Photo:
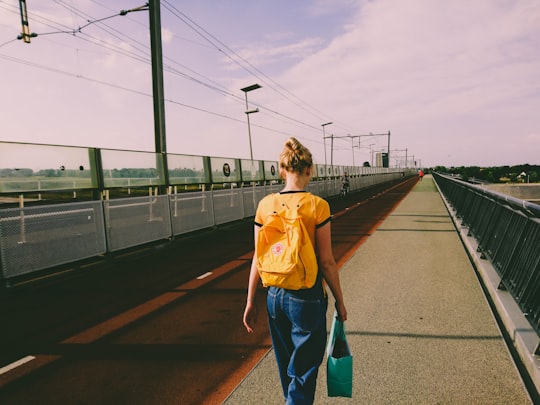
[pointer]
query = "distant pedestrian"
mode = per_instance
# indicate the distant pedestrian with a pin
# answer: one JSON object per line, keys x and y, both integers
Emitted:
{"x": 345, "y": 184}
{"x": 297, "y": 318}
{"x": 421, "y": 174}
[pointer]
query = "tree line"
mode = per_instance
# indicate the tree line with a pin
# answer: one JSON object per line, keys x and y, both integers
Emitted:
{"x": 114, "y": 173}
{"x": 497, "y": 174}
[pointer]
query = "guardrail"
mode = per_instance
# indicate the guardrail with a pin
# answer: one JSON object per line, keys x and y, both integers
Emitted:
{"x": 37, "y": 169}
{"x": 507, "y": 231}
{"x": 186, "y": 193}
{"x": 35, "y": 238}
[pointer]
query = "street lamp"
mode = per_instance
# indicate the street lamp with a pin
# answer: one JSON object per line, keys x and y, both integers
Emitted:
{"x": 246, "y": 90}
{"x": 324, "y": 140}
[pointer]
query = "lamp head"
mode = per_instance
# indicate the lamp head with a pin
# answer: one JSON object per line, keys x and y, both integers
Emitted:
{"x": 252, "y": 87}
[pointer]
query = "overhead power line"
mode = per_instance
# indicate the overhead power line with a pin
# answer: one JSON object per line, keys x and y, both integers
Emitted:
{"x": 142, "y": 52}
{"x": 235, "y": 57}
{"x": 105, "y": 83}
{"x": 91, "y": 22}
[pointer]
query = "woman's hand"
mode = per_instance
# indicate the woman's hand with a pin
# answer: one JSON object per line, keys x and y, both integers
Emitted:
{"x": 341, "y": 312}
{"x": 251, "y": 314}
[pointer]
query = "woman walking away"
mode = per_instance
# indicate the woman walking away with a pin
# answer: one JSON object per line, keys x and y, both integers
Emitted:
{"x": 297, "y": 317}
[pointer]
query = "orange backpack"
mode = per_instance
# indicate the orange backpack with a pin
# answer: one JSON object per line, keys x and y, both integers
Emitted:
{"x": 285, "y": 254}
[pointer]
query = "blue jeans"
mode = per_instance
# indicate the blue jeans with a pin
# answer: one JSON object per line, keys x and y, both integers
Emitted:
{"x": 297, "y": 321}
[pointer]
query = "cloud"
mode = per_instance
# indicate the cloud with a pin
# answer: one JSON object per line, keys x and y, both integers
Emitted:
{"x": 430, "y": 63}
{"x": 456, "y": 82}
{"x": 325, "y": 7}
{"x": 281, "y": 56}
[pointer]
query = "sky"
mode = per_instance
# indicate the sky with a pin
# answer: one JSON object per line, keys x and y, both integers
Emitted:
{"x": 451, "y": 83}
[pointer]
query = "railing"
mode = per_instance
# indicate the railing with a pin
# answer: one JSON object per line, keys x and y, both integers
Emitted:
{"x": 35, "y": 237}
{"x": 507, "y": 231}
{"x": 36, "y": 168}
{"x": 40, "y": 237}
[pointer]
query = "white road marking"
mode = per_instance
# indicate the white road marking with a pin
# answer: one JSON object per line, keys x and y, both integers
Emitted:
{"x": 204, "y": 275}
{"x": 16, "y": 364}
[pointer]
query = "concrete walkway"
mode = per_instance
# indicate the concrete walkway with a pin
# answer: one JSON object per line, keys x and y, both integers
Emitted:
{"x": 419, "y": 327}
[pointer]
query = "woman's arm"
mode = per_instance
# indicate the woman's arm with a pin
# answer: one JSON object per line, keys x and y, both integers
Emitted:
{"x": 328, "y": 266}
{"x": 251, "y": 312}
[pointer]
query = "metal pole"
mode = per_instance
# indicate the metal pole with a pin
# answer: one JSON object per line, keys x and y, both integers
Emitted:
{"x": 249, "y": 128}
{"x": 157, "y": 85}
{"x": 388, "y": 149}
{"x": 352, "y": 149}
{"x": 324, "y": 141}
{"x": 246, "y": 90}
{"x": 25, "y": 34}
{"x": 332, "y": 152}
{"x": 406, "y": 161}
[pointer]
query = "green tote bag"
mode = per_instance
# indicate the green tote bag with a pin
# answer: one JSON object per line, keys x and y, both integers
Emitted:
{"x": 339, "y": 365}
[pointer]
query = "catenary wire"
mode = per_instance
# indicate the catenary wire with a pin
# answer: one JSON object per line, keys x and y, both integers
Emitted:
{"x": 99, "y": 23}
{"x": 171, "y": 69}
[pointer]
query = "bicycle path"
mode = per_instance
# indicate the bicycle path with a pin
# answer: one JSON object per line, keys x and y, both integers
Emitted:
{"x": 419, "y": 327}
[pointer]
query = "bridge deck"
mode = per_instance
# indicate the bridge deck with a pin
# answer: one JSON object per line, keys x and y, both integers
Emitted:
{"x": 420, "y": 328}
